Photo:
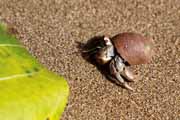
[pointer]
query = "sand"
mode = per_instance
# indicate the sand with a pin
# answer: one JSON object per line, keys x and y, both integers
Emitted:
{"x": 51, "y": 29}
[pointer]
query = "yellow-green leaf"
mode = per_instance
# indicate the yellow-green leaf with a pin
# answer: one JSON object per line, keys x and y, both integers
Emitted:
{"x": 28, "y": 91}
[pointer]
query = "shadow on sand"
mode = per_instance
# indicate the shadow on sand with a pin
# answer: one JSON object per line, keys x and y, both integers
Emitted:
{"x": 88, "y": 51}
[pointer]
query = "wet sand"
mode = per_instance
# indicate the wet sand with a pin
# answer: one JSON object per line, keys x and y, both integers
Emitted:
{"x": 50, "y": 30}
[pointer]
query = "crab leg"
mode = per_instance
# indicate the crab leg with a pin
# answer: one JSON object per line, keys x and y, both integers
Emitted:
{"x": 116, "y": 67}
{"x": 121, "y": 82}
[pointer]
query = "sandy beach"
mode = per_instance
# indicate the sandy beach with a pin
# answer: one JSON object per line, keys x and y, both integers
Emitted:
{"x": 51, "y": 29}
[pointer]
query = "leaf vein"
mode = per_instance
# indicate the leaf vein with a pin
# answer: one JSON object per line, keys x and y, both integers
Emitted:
{"x": 10, "y": 45}
{"x": 16, "y": 76}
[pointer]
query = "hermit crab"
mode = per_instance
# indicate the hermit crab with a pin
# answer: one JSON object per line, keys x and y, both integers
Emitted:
{"x": 120, "y": 52}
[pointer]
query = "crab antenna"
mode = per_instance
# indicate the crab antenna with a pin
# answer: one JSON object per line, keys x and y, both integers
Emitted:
{"x": 91, "y": 50}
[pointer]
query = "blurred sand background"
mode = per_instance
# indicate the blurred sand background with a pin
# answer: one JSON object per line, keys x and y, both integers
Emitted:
{"x": 50, "y": 30}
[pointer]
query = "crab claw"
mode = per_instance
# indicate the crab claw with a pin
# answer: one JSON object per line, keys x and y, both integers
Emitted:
{"x": 128, "y": 74}
{"x": 116, "y": 70}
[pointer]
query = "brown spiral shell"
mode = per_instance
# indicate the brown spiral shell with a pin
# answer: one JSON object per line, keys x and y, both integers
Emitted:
{"x": 133, "y": 48}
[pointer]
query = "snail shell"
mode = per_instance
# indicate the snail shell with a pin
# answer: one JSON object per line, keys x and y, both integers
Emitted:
{"x": 133, "y": 48}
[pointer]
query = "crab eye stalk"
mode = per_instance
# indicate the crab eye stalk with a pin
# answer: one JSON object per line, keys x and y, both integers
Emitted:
{"x": 107, "y": 41}
{"x": 102, "y": 56}
{"x": 106, "y": 53}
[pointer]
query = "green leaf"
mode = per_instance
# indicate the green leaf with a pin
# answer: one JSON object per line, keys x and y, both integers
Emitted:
{"x": 28, "y": 91}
